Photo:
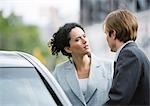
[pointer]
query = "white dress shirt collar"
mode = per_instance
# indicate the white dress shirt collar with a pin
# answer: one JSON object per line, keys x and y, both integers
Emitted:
{"x": 118, "y": 51}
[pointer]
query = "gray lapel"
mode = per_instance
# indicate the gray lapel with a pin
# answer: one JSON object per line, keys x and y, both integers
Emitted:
{"x": 93, "y": 78}
{"x": 73, "y": 82}
{"x": 91, "y": 88}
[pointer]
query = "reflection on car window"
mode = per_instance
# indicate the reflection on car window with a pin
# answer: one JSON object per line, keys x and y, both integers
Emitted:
{"x": 23, "y": 87}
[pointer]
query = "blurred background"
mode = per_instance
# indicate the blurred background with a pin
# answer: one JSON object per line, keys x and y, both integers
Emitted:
{"x": 27, "y": 25}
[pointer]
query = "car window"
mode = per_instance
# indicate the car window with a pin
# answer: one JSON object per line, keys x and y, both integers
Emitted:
{"x": 23, "y": 87}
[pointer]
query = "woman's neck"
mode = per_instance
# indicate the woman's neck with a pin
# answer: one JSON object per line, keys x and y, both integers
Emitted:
{"x": 81, "y": 61}
{"x": 82, "y": 65}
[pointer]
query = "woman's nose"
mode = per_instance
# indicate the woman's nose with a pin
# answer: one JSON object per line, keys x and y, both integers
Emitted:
{"x": 84, "y": 40}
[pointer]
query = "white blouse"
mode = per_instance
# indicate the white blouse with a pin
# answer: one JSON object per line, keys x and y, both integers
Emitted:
{"x": 83, "y": 85}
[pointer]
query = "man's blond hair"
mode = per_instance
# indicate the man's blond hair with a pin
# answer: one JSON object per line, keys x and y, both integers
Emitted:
{"x": 124, "y": 23}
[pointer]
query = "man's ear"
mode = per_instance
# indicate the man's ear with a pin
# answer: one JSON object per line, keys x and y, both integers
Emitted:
{"x": 113, "y": 34}
{"x": 67, "y": 49}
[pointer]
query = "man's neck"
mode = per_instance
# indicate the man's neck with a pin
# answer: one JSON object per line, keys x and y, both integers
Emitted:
{"x": 118, "y": 44}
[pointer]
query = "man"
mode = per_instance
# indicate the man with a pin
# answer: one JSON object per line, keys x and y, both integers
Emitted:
{"x": 131, "y": 80}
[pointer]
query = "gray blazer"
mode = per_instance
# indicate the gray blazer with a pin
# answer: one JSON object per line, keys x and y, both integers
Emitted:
{"x": 99, "y": 82}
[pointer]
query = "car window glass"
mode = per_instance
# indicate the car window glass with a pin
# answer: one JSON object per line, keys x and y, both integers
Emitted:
{"x": 23, "y": 87}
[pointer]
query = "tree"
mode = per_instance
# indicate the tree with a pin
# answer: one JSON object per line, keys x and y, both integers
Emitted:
{"x": 15, "y": 35}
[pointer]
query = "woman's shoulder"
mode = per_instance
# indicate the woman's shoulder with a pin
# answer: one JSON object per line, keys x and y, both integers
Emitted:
{"x": 106, "y": 64}
{"x": 63, "y": 64}
{"x": 102, "y": 60}
{"x": 60, "y": 68}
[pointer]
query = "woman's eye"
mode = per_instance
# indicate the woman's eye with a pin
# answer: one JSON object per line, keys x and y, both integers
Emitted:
{"x": 77, "y": 40}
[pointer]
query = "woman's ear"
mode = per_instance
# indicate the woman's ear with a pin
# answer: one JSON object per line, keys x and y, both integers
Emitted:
{"x": 67, "y": 49}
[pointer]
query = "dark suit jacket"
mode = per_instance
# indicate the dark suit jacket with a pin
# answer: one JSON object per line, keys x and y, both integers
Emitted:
{"x": 131, "y": 81}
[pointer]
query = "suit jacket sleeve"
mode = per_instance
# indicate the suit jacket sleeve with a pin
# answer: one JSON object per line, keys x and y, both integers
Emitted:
{"x": 126, "y": 77}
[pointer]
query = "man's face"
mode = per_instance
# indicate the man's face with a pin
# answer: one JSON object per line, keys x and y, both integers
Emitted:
{"x": 111, "y": 41}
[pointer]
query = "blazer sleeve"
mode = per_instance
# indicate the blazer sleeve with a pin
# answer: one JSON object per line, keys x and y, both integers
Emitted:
{"x": 126, "y": 77}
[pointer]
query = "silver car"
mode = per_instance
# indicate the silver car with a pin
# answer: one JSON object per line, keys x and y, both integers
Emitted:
{"x": 24, "y": 81}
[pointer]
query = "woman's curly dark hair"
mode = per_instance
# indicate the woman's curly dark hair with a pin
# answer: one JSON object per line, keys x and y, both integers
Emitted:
{"x": 61, "y": 38}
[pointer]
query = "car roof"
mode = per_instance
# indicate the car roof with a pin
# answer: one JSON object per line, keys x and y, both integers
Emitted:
{"x": 13, "y": 59}
{"x": 22, "y": 59}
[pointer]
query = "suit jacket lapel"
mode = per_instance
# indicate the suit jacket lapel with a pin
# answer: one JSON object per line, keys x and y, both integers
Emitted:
{"x": 73, "y": 82}
{"x": 114, "y": 66}
{"x": 91, "y": 88}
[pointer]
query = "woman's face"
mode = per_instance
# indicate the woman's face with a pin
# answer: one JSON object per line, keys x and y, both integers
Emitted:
{"x": 79, "y": 44}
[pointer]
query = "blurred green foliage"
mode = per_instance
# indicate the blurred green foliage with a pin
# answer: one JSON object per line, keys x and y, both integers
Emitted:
{"x": 16, "y": 35}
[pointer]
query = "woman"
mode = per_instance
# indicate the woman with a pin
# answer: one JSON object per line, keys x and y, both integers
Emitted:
{"x": 85, "y": 79}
